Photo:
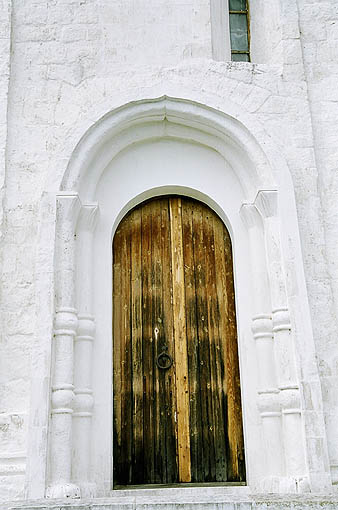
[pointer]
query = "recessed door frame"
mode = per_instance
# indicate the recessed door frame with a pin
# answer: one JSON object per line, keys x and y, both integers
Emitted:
{"x": 251, "y": 189}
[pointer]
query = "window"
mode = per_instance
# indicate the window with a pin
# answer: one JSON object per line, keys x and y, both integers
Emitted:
{"x": 239, "y": 30}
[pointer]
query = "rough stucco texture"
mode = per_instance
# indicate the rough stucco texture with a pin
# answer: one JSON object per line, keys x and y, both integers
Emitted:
{"x": 72, "y": 61}
{"x": 319, "y": 29}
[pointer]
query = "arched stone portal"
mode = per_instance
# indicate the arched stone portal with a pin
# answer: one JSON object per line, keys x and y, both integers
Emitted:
{"x": 142, "y": 150}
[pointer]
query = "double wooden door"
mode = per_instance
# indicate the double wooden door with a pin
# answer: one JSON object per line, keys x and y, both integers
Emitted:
{"x": 177, "y": 403}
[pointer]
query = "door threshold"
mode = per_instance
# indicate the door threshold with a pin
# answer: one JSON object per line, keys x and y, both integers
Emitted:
{"x": 182, "y": 493}
{"x": 178, "y": 485}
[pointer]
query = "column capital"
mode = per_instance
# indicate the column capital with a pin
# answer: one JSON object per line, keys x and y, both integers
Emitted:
{"x": 250, "y": 215}
{"x": 267, "y": 203}
{"x": 88, "y": 217}
{"x": 68, "y": 207}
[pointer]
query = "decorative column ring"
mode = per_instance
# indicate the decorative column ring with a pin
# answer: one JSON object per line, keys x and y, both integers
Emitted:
{"x": 83, "y": 405}
{"x": 65, "y": 326}
{"x": 268, "y": 392}
{"x": 290, "y": 400}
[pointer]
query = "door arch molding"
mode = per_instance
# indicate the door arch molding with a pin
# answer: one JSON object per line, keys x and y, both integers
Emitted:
{"x": 251, "y": 188}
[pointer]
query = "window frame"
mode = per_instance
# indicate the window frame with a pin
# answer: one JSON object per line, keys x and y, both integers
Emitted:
{"x": 245, "y": 13}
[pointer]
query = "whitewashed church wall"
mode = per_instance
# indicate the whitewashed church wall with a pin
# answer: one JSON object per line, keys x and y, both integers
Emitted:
{"x": 5, "y": 39}
{"x": 319, "y": 28}
{"x": 72, "y": 62}
{"x": 14, "y": 366}
{"x": 266, "y": 39}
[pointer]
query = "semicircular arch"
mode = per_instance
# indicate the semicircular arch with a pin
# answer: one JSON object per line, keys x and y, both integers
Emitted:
{"x": 167, "y": 117}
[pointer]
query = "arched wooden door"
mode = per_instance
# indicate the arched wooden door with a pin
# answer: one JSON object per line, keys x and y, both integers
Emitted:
{"x": 177, "y": 403}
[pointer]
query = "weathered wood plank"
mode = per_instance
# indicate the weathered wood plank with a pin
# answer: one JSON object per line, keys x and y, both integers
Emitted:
{"x": 148, "y": 345}
{"x": 236, "y": 464}
{"x": 196, "y": 447}
{"x": 181, "y": 356}
{"x": 117, "y": 321}
{"x": 221, "y": 343}
{"x": 207, "y": 473}
{"x": 218, "y": 426}
{"x": 126, "y": 369}
{"x": 210, "y": 321}
{"x": 159, "y": 341}
{"x": 168, "y": 337}
{"x": 136, "y": 340}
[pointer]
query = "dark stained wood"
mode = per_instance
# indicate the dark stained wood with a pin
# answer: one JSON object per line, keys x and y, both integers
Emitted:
{"x": 173, "y": 292}
{"x": 236, "y": 470}
{"x": 136, "y": 345}
{"x": 203, "y": 344}
{"x": 159, "y": 344}
{"x": 148, "y": 345}
{"x": 117, "y": 326}
{"x": 123, "y": 329}
{"x": 217, "y": 421}
{"x": 229, "y": 364}
{"x": 196, "y": 445}
{"x": 168, "y": 376}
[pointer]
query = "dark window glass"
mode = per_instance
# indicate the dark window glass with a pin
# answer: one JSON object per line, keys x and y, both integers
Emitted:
{"x": 240, "y": 57}
{"x": 237, "y": 5}
{"x": 239, "y": 30}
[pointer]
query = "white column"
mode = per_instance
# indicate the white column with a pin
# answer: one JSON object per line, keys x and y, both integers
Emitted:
{"x": 83, "y": 405}
{"x": 290, "y": 399}
{"x": 220, "y": 30}
{"x": 60, "y": 460}
{"x": 268, "y": 393}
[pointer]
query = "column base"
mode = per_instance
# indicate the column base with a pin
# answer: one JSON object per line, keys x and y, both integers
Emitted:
{"x": 283, "y": 484}
{"x": 88, "y": 490}
{"x": 63, "y": 490}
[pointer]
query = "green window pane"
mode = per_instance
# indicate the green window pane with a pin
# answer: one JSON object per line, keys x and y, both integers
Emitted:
{"x": 237, "y": 5}
{"x": 239, "y": 32}
{"x": 240, "y": 57}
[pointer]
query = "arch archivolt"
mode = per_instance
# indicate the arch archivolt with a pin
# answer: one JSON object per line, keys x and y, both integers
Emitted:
{"x": 143, "y": 150}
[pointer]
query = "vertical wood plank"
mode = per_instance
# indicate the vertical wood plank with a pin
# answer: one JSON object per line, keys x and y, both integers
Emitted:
{"x": 222, "y": 299}
{"x": 169, "y": 387}
{"x": 217, "y": 427}
{"x": 196, "y": 446}
{"x": 159, "y": 340}
{"x": 117, "y": 380}
{"x": 210, "y": 338}
{"x": 236, "y": 469}
{"x": 126, "y": 348}
{"x": 203, "y": 345}
{"x": 136, "y": 328}
{"x": 181, "y": 356}
{"x": 148, "y": 345}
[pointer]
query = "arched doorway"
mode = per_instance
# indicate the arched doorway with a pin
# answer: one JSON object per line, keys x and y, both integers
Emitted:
{"x": 177, "y": 402}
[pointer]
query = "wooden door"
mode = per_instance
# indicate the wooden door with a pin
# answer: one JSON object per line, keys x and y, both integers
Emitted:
{"x": 177, "y": 402}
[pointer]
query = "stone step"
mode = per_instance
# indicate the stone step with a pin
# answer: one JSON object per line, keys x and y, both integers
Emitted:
{"x": 202, "y": 498}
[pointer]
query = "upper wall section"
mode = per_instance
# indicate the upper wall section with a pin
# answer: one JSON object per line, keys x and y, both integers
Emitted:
{"x": 119, "y": 32}
{"x": 266, "y": 29}
{"x": 155, "y": 31}
{"x": 92, "y": 34}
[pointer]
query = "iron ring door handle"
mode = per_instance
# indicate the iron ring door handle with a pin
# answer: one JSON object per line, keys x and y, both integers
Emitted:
{"x": 164, "y": 361}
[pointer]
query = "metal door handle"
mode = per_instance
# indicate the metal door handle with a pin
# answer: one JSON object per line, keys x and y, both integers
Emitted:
{"x": 164, "y": 360}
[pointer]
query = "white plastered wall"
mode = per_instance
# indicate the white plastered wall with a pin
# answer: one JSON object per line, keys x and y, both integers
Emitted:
{"x": 70, "y": 64}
